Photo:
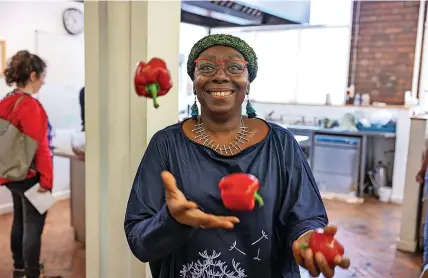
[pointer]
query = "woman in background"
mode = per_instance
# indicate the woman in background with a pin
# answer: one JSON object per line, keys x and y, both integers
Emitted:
{"x": 27, "y": 72}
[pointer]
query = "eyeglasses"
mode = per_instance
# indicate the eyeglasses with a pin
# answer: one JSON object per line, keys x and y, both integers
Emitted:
{"x": 208, "y": 67}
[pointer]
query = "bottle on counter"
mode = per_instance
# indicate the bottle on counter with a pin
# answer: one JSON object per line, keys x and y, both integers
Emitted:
{"x": 328, "y": 99}
{"x": 357, "y": 99}
{"x": 350, "y": 92}
{"x": 365, "y": 99}
{"x": 347, "y": 97}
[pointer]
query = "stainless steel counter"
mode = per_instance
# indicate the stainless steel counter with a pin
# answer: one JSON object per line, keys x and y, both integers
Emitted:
{"x": 311, "y": 131}
{"x": 338, "y": 131}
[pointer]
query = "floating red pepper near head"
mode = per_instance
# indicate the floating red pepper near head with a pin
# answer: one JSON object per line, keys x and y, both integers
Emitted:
{"x": 239, "y": 192}
{"x": 326, "y": 244}
{"x": 152, "y": 80}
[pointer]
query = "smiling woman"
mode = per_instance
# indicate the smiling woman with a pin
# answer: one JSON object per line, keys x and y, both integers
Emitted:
{"x": 215, "y": 66}
{"x": 184, "y": 229}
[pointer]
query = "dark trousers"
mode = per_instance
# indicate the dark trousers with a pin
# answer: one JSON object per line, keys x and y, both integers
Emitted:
{"x": 27, "y": 229}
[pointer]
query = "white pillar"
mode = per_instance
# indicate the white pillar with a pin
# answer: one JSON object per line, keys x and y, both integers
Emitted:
{"x": 118, "y": 123}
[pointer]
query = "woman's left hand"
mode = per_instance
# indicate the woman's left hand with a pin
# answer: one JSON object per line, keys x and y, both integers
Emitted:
{"x": 317, "y": 263}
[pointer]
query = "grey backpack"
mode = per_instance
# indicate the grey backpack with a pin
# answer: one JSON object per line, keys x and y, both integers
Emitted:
{"x": 17, "y": 150}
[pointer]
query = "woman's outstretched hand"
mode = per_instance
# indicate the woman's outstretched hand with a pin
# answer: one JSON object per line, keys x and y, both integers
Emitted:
{"x": 317, "y": 263}
{"x": 187, "y": 212}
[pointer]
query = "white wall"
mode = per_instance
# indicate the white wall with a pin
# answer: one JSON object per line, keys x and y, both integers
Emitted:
{"x": 39, "y": 29}
{"x": 189, "y": 35}
{"x": 64, "y": 55}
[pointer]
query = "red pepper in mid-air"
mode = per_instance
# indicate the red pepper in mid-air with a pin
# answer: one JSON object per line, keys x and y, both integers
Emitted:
{"x": 152, "y": 80}
{"x": 326, "y": 244}
{"x": 239, "y": 192}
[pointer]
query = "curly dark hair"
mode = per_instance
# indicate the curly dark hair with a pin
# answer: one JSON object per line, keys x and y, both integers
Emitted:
{"x": 20, "y": 67}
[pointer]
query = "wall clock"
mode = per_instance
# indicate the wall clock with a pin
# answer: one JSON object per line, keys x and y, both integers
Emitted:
{"x": 73, "y": 21}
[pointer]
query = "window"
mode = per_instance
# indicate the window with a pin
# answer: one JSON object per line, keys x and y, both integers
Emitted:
{"x": 189, "y": 35}
{"x": 331, "y": 12}
{"x": 323, "y": 65}
{"x": 278, "y": 63}
{"x": 302, "y": 64}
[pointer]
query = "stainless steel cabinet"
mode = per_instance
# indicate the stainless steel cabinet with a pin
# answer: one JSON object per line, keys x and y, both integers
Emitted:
{"x": 335, "y": 163}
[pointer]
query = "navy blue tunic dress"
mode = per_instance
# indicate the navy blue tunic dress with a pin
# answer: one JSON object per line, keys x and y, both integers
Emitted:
{"x": 260, "y": 245}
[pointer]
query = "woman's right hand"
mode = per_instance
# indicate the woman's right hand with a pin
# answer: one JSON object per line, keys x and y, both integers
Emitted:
{"x": 187, "y": 212}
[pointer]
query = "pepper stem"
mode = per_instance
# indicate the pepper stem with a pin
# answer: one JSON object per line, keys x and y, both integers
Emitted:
{"x": 304, "y": 246}
{"x": 259, "y": 199}
{"x": 153, "y": 89}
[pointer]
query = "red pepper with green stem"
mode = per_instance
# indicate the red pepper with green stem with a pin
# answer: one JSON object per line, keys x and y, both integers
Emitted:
{"x": 152, "y": 80}
{"x": 239, "y": 192}
{"x": 326, "y": 244}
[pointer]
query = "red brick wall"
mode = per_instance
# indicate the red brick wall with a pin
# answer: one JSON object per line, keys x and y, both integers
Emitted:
{"x": 385, "y": 49}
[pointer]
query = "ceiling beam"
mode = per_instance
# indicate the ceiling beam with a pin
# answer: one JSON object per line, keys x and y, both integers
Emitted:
{"x": 195, "y": 19}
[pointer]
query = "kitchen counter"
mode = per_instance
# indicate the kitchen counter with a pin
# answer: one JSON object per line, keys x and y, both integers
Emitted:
{"x": 401, "y": 107}
{"x": 300, "y": 138}
{"x": 291, "y": 113}
{"x": 337, "y": 131}
{"x": 311, "y": 131}
{"x": 77, "y": 186}
{"x": 77, "y": 194}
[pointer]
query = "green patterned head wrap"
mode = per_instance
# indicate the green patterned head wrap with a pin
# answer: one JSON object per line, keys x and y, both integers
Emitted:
{"x": 225, "y": 40}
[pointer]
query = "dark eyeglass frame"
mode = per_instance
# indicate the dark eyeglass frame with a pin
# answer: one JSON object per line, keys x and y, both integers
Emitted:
{"x": 221, "y": 65}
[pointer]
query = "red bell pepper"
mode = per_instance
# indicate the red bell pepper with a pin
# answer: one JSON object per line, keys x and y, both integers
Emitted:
{"x": 239, "y": 192}
{"x": 326, "y": 244}
{"x": 152, "y": 80}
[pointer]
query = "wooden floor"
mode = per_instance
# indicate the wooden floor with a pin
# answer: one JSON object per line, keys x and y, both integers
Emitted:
{"x": 369, "y": 232}
{"x": 60, "y": 254}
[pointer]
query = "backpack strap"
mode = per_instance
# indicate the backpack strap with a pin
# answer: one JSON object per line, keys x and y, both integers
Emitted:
{"x": 15, "y": 106}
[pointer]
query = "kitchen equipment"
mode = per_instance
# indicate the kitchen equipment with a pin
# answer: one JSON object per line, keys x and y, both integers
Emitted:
{"x": 379, "y": 179}
{"x": 328, "y": 99}
{"x": 385, "y": 193}
{"x": 409, "y": 99}
{"x": 350, "y": 92}
{"x": 381, "y": 117}
{"x": 336, "y": 163}
{"x": 381, "y": 175}
{"x": 348, "y": 122}
{"x": 305, "y": 145}
{"x": 365, "y": 99}
{"x": 329, "y": 123}
{"x": 357, "y": 99}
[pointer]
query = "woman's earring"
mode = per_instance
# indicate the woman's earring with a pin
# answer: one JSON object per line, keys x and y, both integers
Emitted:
{"x": 251, "y": 112}
{"x": 195, "y": 110}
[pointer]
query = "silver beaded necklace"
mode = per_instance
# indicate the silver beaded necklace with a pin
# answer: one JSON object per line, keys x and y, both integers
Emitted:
{"x": 233, "y": 147}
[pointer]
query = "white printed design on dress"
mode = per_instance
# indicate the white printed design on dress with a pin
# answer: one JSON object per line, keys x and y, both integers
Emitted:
{"x": 210, "y": 266}
{"x": 233, "y": 246}
{"x": 264, "y": 236}
{"x": 257, "y": 258}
